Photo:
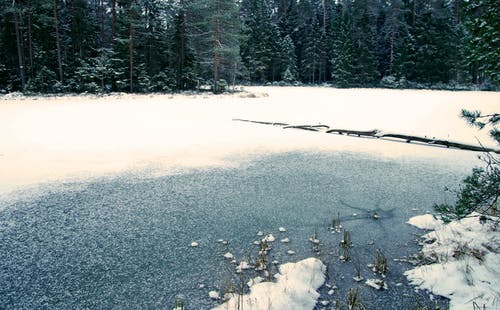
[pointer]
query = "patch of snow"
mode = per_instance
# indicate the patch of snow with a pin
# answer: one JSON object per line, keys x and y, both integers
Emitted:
{"x": 254, "y": 281}
{"x": 194, "y": 244}
{"x": 295, "y": 288}
{"x": 214, "y": 295}
{"x": 290, "y": 252}
{"x": 285, "y": 240}
{"x": 426, "y": 221}
{"x": 282, "y": 229}
{"x": 314, "y": 240}
{"x": 260, "y": 233}
{"x": 269, "y": 238}
{"x": 229, "y": 255}
{"x": 242, "y": 266}
{"x": 256, "y": 242}
{"x": 358, "y": 278}
{"x": 377, "y": 284}
{"x": 201, "y": 132}
{"x": 467, "y": 264}
{"x": 331, "y": 292}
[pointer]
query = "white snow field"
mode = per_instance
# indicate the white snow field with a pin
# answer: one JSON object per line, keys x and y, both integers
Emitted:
{"x": 468, "y": 264}
{"x": 43, "y": 139}
{"x": 294, "y": 289}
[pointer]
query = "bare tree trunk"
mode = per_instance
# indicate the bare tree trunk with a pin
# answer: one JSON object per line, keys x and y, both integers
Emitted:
{"x": 457, "y": 11}
{"x": 113, "y": 19}
{"x": 19, "y": 45}
{"x": 414, "y": 13}
{"x": 216, "y": 50}
{"x": 324, "y": 16}
{"x": 103, "y": 39}
{"x": 58, "y": 44}
{"x": 30, "y": 41}
{"x": 393, "y": 35}
{"x": 131, "y": 44}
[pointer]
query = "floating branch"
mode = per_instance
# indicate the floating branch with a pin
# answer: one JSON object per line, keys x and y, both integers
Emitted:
{"x": 379, "y": 135}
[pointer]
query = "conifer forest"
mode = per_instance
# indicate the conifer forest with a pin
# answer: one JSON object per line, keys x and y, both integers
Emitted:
{"x": 65, "y": 46}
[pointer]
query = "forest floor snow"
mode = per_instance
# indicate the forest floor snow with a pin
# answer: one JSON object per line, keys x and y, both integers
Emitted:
{"x": 466, "y": 261}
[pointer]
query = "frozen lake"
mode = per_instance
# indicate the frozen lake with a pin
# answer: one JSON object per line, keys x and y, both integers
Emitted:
{"x": 103, "y": 196}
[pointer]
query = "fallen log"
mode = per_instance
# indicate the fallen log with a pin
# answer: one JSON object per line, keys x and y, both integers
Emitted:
{"x": 380, "y": 135}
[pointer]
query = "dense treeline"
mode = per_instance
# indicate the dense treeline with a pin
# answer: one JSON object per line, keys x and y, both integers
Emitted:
{"x": 164, "y": 45}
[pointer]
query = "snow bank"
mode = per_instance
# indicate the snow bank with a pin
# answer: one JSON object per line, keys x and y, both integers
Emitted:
{"x": 467, "y": 263}
{"x": 295, "y": 288}
{"x": 426, "y": 221}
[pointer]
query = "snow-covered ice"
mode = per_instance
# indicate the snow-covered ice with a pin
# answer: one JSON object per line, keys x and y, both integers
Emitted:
{"x": 53, "y": 138}
{"x": 269, "y": 238}
{"x": 467, "y": 266}
{"x": 295, "y": 288}
{"x": 426, "y": 221}
{"x": 229, "y": 255}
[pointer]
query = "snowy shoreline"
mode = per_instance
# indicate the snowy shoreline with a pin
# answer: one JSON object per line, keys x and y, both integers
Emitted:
{"x": 466, "y": 261}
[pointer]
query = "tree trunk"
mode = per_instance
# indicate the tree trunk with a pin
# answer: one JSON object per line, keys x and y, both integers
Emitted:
{"x": 131, "y": 44}
{"x": 216, "y": 50}
{"x": 103, "y": 39}
{"x": 19, "y": 46}
{"x": 30, "y": 41}
{"x": 414, "y": 13}
{"x": 393, "y": 35}
{"x": 58, "y": 44}
{"x": 324, "y": 16}
{"x": 113, "y": 19}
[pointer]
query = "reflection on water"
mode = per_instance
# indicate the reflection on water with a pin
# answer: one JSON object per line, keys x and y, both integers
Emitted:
{"x": 124, "y": 242}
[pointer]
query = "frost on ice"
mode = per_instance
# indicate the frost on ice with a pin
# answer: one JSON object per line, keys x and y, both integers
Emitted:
{"x": 466, "y": 263}
{"x": 295, "y": 288}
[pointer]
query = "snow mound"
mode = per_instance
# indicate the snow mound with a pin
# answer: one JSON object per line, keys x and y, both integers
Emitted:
{"x": 467, "y": 263}
{"x": 295, "y": 288}
{"x": 426, "y": 221}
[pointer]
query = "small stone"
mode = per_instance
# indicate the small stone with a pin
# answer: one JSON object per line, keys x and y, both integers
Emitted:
{"x": 331, "y": 292}
{"x": 194, "y": 244}
{"x": 290, "y": 252}
{"x": 229, "y": 255}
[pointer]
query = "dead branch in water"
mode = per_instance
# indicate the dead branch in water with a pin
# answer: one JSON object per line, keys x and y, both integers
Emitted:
{"x": 379, "y": 135}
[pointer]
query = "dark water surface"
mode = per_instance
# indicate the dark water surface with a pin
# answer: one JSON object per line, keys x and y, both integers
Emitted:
{"x": 123, "y": 242}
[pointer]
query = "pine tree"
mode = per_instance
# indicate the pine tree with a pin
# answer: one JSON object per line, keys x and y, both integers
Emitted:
{"x": 483, "y": 23}
{"x": 436, "y": 44}
{"x": 215, "y": 38}
{"x": 364, "y": 44}
{"x": 310, "y": 62}
{"x": 288, "y": 60}
{"x": 341, "y": 58}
